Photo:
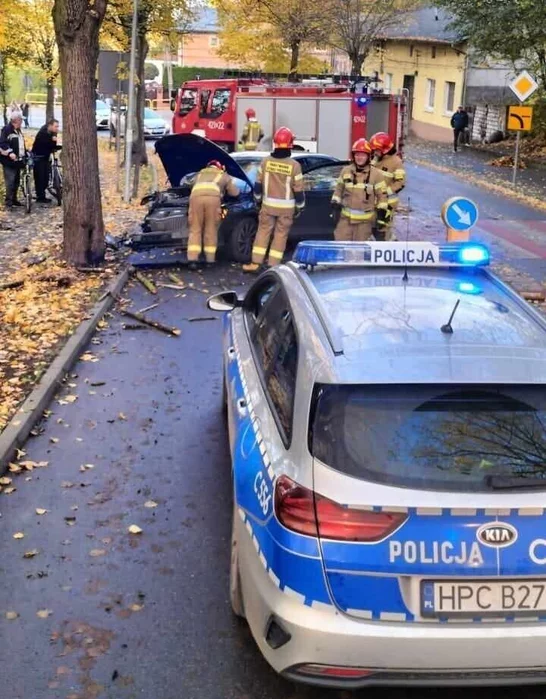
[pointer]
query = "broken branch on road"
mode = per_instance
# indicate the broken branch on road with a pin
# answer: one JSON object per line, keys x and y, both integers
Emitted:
{"x": 152, "y": 323}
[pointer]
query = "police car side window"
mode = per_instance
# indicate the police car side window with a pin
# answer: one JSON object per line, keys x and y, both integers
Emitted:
{"x": 281, "y": 382}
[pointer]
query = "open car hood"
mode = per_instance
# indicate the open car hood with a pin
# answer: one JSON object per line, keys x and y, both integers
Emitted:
{"x": 181, "y": 154}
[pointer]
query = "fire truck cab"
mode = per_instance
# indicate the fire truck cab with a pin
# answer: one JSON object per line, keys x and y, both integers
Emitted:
{"x": 325, "y": 117}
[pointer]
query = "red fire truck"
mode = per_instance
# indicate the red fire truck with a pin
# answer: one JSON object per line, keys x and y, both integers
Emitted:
{"x": 325, "y": 116}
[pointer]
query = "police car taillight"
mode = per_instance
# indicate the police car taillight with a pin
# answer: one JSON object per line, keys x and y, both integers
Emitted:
{"x": 341, "y": 671}
{"x": 306, "y": 512}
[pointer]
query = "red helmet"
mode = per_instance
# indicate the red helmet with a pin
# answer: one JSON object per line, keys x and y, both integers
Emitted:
{"x": 283, "y": 138}
{"x": 217, "y": 164}
{"x": 250, "y": 113}
{"x": 381, "y": 141}
{"x": 361, "y": 146}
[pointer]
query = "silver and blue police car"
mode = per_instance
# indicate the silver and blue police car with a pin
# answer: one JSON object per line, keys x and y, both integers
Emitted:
{"x": 387, "y": 422}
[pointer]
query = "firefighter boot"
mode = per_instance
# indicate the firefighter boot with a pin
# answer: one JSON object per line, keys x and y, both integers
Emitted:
{"x": 251, "y": 267}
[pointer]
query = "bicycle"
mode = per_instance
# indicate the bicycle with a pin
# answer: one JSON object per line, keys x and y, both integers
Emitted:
{"x": 55, "y": 184}
{"x": 26, "y": 182}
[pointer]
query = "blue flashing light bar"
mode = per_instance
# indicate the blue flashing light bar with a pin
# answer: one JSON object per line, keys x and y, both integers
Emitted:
{"x": 392, "y": 254}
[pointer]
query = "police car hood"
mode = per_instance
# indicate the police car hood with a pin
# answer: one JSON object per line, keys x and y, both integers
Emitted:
{"x": 182, "y": 154}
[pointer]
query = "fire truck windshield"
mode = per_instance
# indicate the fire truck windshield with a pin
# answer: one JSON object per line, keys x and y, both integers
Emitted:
{"x": 188, "y": 101}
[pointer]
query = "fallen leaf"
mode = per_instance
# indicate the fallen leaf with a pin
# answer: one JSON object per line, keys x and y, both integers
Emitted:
{"x": 54, "y": 440}
{"x": 28, "y": 465}
{"x": 20, "y": 453}
{"x": 73, "y": 507}
{"x": 150, "y": 504}
{"x": 97, "y": 552}
{"x": 41, "y": 511}
{"x": 11, "y": 615}
{"x": 42, "y": 464}
{"x": 31, "y": 554}
{"x": 5, "y": 480}
{"x": 136, "y": 607}
{"x": 88, "y": 357}
{"x": 18, "y": 535}
{"x": 134, "y": 529}
{"x": 121, "y": 416}
{"x": 71, "y": 399}
{"x": 44, "y": 613}
{"x": 67, "y": 484}
{"x": 8, "y": 491}
{"x": 15, "y": 468}
{"x": 70, "y": 521}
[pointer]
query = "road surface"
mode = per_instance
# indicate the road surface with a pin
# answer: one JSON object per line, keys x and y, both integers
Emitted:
{"x": 136, "y": 437}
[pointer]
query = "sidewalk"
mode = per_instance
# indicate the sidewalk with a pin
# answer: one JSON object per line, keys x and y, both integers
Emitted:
{"x": 470, "y": 162}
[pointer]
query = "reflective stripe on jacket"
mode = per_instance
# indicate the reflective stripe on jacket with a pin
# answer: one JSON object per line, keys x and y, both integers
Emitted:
{"x": 392, "y": 169}
{"x": 279, "y": 185}
{"x": 213, "y": 182}
{"x": 360, "y": 193}
{"x": 252, "y": 133}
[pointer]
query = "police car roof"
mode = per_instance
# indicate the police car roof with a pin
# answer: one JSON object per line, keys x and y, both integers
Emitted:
{"x": 385, "y": 330}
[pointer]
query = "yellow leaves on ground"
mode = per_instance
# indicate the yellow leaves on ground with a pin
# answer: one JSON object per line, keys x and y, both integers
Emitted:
{"x": 44, "y": 613}
{"x": 11, "y": 615}
{"x": 150, "y": 504}
{"x": 18, "y": 535}
{"x": 134, "y": 529}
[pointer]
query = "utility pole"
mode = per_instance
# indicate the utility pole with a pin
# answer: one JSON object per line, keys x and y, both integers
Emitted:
{"x": 131, "y": 106}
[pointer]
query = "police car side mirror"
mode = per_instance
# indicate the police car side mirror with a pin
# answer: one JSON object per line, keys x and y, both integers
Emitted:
{"x": 224, "y": 301}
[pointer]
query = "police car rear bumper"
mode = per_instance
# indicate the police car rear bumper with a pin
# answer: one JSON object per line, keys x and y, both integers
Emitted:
{"x": 397, "y": 653}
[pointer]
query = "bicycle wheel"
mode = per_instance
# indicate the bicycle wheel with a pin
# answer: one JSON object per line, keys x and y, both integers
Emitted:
{"x": 27, "y": 190}
{"x": 57, "y": 186}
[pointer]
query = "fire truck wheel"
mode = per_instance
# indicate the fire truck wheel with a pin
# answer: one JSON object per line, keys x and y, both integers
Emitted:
{"x": 241, "y": 239}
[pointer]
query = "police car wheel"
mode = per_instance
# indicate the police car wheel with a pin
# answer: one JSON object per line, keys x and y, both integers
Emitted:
{"x": 241, "y": 240}
{"x": 235, "y": 592}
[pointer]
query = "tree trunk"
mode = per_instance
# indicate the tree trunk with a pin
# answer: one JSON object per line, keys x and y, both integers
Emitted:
{"x": 77, "y": 24}
{"x": 50, "y": 99}
{"x": 3, "y": 88}
{"x": 357, "y": 61}
{"x": 294, "y": 60}
{"x": 140, "y": 155}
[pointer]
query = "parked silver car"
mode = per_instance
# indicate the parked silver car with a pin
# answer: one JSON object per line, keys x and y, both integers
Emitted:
{"x": 386, "y": 405}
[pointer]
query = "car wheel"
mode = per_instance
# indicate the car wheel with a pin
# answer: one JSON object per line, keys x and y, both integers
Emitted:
{"x": 235, "y": 592}
{"x": 241, "y": 239}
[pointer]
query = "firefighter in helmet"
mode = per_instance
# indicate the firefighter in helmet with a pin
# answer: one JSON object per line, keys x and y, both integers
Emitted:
{"x": 390, "y": 164}
{"x": 252, "y": 132}
{"x": 360, "y": 197}
{"x": 279, "y": 190}
{"x": 205, "y": 211}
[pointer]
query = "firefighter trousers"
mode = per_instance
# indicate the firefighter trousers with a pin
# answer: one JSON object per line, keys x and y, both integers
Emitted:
{"x": 204, "y": 218}
{"x": 278, "y": 226}
{"x": 347, "y": 231}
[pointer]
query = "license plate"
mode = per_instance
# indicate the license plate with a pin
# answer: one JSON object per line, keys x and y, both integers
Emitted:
{"x": 473, "y": 598}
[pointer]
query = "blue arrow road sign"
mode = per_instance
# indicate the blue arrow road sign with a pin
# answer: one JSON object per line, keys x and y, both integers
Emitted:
{"x": 459, "y": 213}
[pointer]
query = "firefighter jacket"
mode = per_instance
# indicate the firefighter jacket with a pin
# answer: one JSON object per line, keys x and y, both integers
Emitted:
{"x": 212, "y": 182}
{"x": 279, "y": 186}
{"x": 392, "y": 169}
{"x": 252, "y": 134}
{"x": 360, "y": 193}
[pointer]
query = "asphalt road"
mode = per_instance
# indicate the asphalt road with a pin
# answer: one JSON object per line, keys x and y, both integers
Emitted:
{"x": 103, "y": 613}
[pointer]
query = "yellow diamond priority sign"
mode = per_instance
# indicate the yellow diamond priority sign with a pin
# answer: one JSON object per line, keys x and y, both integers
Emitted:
{"x": 523, "y": 86}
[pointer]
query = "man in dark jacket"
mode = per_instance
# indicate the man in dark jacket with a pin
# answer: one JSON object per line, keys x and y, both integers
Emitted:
{"x": 44, "y": 145}
{"x": 459, "y": 122}
{"x": 25, "y": 111}
{"x": 12, "y": 154}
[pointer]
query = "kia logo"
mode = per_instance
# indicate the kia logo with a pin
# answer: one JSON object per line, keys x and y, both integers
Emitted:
{"x": 497, "y": 535}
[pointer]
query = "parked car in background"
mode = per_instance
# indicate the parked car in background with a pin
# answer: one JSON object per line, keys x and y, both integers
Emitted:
{"x": 154, "y": 124}
{"x": 102, "y": 114}
{"x": 183, "y": 155}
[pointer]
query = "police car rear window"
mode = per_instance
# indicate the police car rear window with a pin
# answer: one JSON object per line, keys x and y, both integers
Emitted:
{"x": 449, "y": 437}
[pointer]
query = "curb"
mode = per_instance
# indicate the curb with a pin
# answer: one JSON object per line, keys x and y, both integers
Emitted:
{"x": 19, "y": 427}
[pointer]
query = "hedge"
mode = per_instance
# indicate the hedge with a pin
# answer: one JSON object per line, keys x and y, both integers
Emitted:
{"x": 182, "y": 73}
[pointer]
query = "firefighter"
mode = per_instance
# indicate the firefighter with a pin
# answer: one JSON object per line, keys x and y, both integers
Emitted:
{"x": 360, "y": 197}
{"x": 205, "y": 211}
{"x": 390, "y": 164}
{"x": 252, "y": 132}
{"x": 279, "y": 190}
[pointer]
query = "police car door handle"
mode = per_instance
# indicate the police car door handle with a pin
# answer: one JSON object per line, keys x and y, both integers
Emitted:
{"x": 231, "y": 353}
{"x": 241, "y": 407}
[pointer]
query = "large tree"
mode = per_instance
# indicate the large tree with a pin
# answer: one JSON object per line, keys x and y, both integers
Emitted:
{"x": 291, "y": 25}
{"x": 77, "y": 25}
{"x": 358, "y": 24}
{"x": 511, "y": 30}
{"x": 43, "y": 47}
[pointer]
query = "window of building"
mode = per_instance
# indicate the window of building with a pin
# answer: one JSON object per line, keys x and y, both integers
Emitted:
{"x": 433, "y": 52}
{"x": 213, "y": 42}
{"x": 449, "y": 97}
{"x": 430, "y": 95}
{"x": 387, "y": 85}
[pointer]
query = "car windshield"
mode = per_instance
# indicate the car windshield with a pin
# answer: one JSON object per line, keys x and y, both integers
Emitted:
{"x": 432, "y": 437}
{"x": 150, "y": 114}
{"x": 101, "y": 106}
{"x": 189, "y": 180}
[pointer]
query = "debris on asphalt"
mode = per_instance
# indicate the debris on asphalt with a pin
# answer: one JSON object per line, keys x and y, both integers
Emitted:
{"x": 533, "y": 295}
{"x": 152, "y": 323}
{"x": 148, "y": 308}
{"x": 146, "y": 283}
{"x": 134, "y": 529}
{"x": 197, "y": 319}
{"x": 176, "y": 287}
{"x": 133, "y": 326}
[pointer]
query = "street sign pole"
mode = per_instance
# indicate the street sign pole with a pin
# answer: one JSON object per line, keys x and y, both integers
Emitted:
{"x": 516, "y": 158}
{"x": 130, "y": 106}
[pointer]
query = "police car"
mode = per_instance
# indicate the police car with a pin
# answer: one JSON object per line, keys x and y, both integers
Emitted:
{"x": 387, "y": 422}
